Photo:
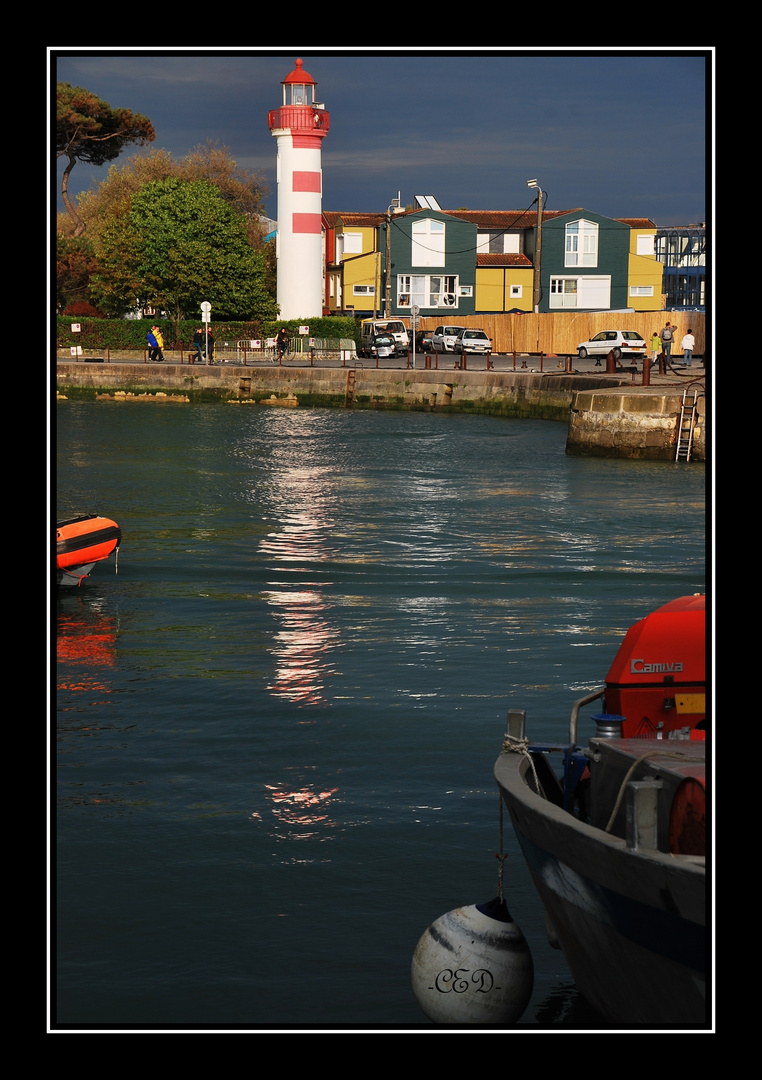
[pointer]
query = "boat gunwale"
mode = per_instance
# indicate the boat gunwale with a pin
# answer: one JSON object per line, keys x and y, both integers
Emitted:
{"x": 578, "y": 845}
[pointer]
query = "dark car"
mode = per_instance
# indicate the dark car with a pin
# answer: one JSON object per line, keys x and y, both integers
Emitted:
{"x": 423, "y": 342}
{"x": 383, "y": 346}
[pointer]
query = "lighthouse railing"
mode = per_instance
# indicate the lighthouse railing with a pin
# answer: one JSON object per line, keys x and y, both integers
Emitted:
{"x": 301, "y": 118}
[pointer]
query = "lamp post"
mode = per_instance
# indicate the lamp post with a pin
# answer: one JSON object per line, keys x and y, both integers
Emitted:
{"x": 538, "y": 247}
{"x": 393, "y": 205}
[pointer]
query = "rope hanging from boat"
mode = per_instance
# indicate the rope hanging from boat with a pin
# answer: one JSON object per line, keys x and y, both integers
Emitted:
{"x": 513, "y": 745}
{"x": 674, "y": 754}
{"x": 500, "y": 856}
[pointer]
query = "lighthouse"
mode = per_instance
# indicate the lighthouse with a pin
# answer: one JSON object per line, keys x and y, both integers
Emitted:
{"x": 299, "y": 125}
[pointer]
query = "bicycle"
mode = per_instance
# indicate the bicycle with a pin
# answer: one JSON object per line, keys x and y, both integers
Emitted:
{"x": 285, "y": 351}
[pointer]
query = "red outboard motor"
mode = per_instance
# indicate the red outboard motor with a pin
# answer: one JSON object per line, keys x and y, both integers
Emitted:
{"x": 658, "y": 679}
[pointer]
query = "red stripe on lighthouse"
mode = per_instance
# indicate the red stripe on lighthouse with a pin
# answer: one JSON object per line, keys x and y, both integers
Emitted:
{"x": 306, "y": 181}
{"x": 306, "y": 223}
{"x": 307, "y": 142}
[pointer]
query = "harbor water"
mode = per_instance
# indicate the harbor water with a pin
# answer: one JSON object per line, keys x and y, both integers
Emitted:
{"x": 276, "y": 725}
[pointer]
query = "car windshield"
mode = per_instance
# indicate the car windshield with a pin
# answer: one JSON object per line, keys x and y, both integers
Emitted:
{"x": 474, "y": 334}
{"x": 631, "y": 335}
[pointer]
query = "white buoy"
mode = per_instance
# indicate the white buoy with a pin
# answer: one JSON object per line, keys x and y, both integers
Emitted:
{"x": 473, "y": 966}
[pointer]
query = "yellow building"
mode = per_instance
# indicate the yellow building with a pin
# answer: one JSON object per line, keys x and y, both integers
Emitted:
{"x": 644, "y": 275}
{"x": 503, "y": 282}
{"x": 503, "y": 253}
{"x": 353, "y": 263}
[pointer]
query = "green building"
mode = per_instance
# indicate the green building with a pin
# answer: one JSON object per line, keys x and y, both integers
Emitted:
{"x": 432, "y": 256}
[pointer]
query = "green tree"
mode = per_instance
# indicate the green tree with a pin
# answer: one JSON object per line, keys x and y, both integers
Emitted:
{"x": 243, "y": 189}
{"x": 88, "y": 129}
{"x": 175, "y": 243}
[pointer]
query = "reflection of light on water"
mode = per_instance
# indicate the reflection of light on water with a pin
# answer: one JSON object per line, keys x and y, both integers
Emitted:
{"x": 301, "y": 495}
{"x": 302, "y": 809}
{"x": 301, "y": 645}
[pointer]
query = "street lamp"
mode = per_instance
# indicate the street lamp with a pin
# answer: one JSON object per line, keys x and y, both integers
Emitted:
{"x": 393, "y": 205}
{"x": 538, "y": 246}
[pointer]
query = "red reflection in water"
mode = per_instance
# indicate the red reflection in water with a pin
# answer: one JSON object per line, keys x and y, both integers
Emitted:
{"x": 85, "y": 646}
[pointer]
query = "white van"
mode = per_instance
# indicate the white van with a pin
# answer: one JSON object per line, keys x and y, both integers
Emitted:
{"x": 372, "y": 327}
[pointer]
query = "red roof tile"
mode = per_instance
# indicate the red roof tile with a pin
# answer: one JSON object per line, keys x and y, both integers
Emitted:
{"x": 508, "y": 258}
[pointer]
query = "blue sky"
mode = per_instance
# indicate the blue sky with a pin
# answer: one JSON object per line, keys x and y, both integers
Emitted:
{"x": 620, "y": 133}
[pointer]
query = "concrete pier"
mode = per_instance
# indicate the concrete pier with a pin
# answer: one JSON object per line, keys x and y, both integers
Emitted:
{"x": 608, "y": 415}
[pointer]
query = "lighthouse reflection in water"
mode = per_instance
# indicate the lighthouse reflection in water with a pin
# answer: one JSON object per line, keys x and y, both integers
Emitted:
{"x": 277, "y": 725}
{"x": 300, "y": 498}
{"x": 305, "y": 640}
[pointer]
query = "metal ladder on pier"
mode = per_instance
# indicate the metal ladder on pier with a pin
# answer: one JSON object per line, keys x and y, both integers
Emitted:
{"x": 685, "y": 426}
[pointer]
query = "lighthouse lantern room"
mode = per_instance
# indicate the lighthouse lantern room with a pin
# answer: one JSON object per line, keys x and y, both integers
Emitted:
{"x": 299, "y": 125}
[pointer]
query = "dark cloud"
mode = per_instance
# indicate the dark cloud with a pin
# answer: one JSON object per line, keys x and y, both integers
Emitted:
{"x": 621, "y": 134}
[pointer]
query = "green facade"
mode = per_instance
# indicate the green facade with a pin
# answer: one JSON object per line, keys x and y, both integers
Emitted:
{"x": 612, "y": 258}
{"x": 416, "y": 255}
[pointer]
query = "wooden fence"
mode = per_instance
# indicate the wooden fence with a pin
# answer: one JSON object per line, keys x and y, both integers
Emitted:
{"x": 561, "y": 332}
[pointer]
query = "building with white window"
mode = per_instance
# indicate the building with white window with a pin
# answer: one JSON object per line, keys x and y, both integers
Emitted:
{"x": 594, "y": 263}
{"x": 477, "y": 261}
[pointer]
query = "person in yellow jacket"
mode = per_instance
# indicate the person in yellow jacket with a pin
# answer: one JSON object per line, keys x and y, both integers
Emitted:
{"x": 160, "y": 343}
{"x": 155, "y": 345}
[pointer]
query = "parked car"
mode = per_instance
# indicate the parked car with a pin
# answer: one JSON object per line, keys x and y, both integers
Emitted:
{"x": 623, "y": 342}
{"x": 383, "y": 346}
{"x": 423, "y": 341}
{"x": 371, "y": 328}
{"x": 472, "y": 340}
{"x": 443, "y": 338}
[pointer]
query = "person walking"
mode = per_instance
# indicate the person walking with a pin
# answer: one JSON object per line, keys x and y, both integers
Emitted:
{"x": 209, "y": 346}
{"x": 688, "y": 344}
{"x": 667, "y": 335}
{"x": 155, "y": 342}
{"x": 198, "y": 344}
{"x": 160, "y": 342}
{"x": 655, "y": 346}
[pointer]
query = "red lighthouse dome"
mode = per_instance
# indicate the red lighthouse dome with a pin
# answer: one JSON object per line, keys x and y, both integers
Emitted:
{"x": 300, "y": 112}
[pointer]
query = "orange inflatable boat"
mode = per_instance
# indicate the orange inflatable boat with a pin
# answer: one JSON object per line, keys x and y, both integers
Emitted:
{"x": 81, "y": 542}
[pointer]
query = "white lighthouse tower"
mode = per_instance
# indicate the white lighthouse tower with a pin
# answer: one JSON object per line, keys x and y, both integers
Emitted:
{"x": 299, "y": 125}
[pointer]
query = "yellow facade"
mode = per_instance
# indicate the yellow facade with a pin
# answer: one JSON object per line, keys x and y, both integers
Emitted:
{"x": 644, "y": 275}
{"x": 494, "y": 285}
{"x": 360, "y": 269}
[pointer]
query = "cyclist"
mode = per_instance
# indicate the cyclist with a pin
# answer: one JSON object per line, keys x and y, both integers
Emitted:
{"x": 282, "y": 342}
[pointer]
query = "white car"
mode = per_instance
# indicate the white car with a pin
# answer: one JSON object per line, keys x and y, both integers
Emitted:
{"x": 472, "y": 340}
{"x": 623, "y": 342}
{"x": 443, "y": 338}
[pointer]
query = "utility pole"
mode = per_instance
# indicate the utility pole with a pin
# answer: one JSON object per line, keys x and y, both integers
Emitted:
{"x": 388, "y": 290}
{"x": 538, "y": 247}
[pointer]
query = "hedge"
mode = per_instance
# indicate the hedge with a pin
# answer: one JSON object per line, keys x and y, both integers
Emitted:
{"x": 131, "y": 333}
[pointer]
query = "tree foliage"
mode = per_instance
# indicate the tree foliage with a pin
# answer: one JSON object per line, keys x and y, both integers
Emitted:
{"x": 242, "y": 189}
{"x": 88, "y": 129}
{"x": 175, "y": 243}
{"x": 75, "y": 263}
